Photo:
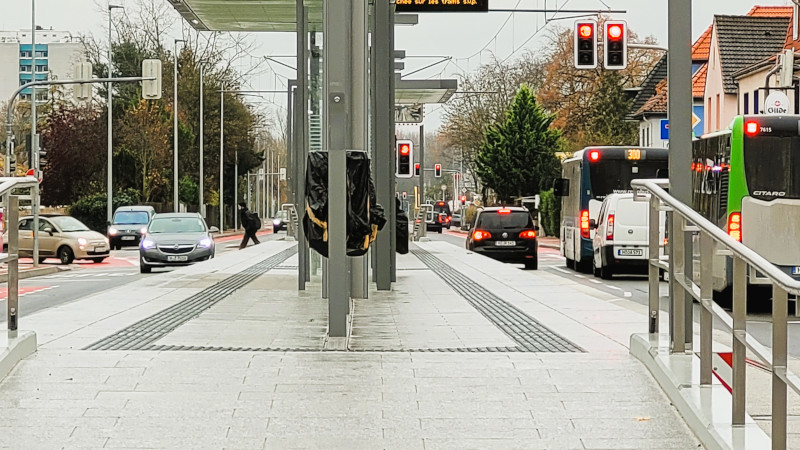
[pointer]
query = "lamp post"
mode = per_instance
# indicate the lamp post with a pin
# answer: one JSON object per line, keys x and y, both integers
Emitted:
{"x": 109, "y": 193}
{"x": 200, "y": 206}
{"x": 175, "y": 127}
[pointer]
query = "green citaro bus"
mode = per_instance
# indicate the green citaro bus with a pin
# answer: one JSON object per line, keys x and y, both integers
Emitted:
{"x": 746, "y": 179}
{"x": 588, "y": 177}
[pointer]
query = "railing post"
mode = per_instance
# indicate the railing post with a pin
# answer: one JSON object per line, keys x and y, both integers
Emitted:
{"x": 12, "y": 206}
{"x": 677, "y": 315}
{"x": 654, "y": 253}
{"x": 780, "y": 304}
{"x": 739, "y": 332}
{"x": 706, "y": 296}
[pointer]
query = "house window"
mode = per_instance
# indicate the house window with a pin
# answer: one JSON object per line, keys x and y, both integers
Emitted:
{"x": 718, "y": 107}
{"x": 25, "y": 54}
{"x": 747, "y": 103}
{"x": 755, "y": 102}
{"x": 25, "y": 68}
{"x": 41, "y": 67}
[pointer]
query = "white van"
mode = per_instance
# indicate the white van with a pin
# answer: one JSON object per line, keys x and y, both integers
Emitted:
{"x": 620, "y": 239}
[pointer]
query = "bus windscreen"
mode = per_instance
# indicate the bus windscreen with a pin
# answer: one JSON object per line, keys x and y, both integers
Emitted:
{"x": 615, "y": 175}
{"x": 772, "y": 167}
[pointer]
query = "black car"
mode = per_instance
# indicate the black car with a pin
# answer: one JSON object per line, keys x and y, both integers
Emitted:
{"x": 506, "y": 234}
{"x": 129, "y": 225}
{"x": 443, "y": 209}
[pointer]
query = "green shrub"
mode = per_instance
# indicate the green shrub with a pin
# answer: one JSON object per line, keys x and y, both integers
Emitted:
{"x": 550, "y": 207}
{"x": 91, "y": 209}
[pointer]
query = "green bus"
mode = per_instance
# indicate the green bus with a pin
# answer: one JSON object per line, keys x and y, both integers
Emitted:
{"x": 746, "y": 179}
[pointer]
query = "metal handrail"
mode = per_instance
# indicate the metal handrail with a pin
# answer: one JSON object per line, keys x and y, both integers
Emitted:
{"x": 685, "y": 221}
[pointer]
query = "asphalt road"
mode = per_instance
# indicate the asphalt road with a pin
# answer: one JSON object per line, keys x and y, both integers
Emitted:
{"x": 634, "y": 287}
{"x": 86, "y": 278}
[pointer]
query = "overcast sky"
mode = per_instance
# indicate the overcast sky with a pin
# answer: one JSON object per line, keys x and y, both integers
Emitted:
{"x": 468, "y": 38}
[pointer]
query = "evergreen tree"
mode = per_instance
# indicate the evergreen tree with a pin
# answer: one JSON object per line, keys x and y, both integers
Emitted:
{"x": 517, "y": 158}
{"x": 609, "y": 106}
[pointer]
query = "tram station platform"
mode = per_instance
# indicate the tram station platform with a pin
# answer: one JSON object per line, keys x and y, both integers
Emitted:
{"x": 464, "y": 352}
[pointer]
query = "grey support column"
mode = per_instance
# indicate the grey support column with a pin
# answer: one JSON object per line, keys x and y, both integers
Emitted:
{"x": 680, "y": 135}
{"x": 392, "y": 215}
{"x": 301, "y": 141}
{"x": 383, "y": 94}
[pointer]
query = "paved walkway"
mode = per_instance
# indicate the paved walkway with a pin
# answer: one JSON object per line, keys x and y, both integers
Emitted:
{"x": 464, "y": 353}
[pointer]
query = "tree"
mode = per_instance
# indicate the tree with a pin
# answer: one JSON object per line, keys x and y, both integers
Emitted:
{"x": 517, "y": 158}
{"x": 609, "y": 106}
{"x": 144, "y": 133}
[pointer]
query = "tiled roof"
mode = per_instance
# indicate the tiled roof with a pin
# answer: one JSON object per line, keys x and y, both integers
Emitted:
{"x": 744, "y": 41}
{"x": 656, "y": 103}
{"x": 702, "y": 46}
{"x": 699, "y": 81}
{"x": 770, "y": 11}
{"x": 655, "y": 76}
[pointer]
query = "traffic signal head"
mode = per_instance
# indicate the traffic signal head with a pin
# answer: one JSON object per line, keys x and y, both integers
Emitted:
{"x": 405, "y": 157}
{"x": 151, "y": 89}
{"x": 437, "y": 170}
{"x": 463, "y": 199}
{"x": 416, "y": 169}
{"x": 585, "y": 44}
{"x": 616, "y": 45}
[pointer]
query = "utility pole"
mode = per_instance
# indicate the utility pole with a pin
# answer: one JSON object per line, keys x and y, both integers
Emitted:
{"x": 200, "y": 206}
{"x": 175, "y": 200}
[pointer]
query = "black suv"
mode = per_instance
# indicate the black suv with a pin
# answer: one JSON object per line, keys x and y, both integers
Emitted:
{"x": 506, "y": 234}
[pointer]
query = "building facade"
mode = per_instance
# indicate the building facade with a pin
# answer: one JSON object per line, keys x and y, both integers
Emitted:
{"x": 54, "y": 58}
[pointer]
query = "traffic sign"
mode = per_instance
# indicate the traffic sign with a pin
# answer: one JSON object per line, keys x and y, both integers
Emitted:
{"x": 444, "y": 187}
{"x": 464, "y": 190}
{"x": 424, "y": 6}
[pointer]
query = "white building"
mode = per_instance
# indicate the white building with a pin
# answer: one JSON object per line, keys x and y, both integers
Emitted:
{"x": 55, "y": 55}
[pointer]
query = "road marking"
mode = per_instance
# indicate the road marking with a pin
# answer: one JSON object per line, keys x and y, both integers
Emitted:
{"x": 580, "y": 276}
{"x": 613, "y": 287}
{"x": 627, "y": 294}
{"x": 596, "y": 282}
{"x": 560, "y": 270}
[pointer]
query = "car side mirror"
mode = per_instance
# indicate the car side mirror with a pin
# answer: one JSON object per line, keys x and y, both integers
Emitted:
{"x": 592, "y": 224}
{"x": 213, "y": 230}
{"x": 561, "y": 187}
{"x": 48, "y": 230}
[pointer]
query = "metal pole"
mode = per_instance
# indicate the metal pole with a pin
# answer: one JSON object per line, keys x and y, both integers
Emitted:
{"x": 110, "y": 191}
{"x": 359, "y": 88}
{"x": 12, "y": 203}
{"x": 301, "y": 141}
{"x": 739, "y": 387}
{"x": 780, "y": 317}
{"x": 175, "y": 129}
{"x": 235, "y": 188}
{"x": 200, "y": 206}
{"x": 384, "y": 137}
{"x": 34, "y": 150}
{"x": 221, "y": 156}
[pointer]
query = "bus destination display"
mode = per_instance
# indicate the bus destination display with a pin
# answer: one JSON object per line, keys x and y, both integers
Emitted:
{"x": 424, "y": 6}
{"x": 635, "y": 154}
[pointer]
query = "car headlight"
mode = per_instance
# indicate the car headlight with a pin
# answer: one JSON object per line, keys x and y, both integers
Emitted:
{"x": 276, "y": 223}
{"x": 106, "y": 239}
{"x": 205, "y": 243}
{"x": 148, "y": 244}
{"x": 82, "y": 241}
{"x": 112, "y": 231}
{"x": 143, "y": 230}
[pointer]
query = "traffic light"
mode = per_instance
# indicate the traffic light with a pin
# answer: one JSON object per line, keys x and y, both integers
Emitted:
{"x": 42, "y": 159}
{"x": 12, "y": 167}
{"x": 463, "y": 199}
{"x": 405, "y": 157}
{"x": 616, "y": 45}
{"x": 416, "y": 169}
{"x": 585, "y": 44}
{"x": 82, "y": 92}
{"x": 151, "y": 89}
{"x": 437, "y": 170}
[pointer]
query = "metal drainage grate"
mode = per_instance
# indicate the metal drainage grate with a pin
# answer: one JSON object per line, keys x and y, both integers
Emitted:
{"x": 148, "y": 330}
{"x": 526, "y": 331}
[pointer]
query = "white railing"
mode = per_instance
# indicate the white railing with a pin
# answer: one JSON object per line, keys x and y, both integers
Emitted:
{"x": 11, "y": 203}
{"x": 684, "y": 224}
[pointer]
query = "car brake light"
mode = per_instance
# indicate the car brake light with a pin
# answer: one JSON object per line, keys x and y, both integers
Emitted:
{"x": 480, "y": 235}
{"x": 735, "y": 226}
{"x": 610, "y": 228}
{"x": 585, "y": 224}
{"x": 527, "y": 234}
{"x": 504, "y": 211}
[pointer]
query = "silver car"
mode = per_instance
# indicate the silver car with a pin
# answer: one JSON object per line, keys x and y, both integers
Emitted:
{"x": 175, "y": 239}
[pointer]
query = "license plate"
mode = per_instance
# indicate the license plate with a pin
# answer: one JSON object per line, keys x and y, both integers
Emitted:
{"x": 128, "y": 238}
{"x": 100, "y": 249}
{"x": 796, "y": 270}
{"x": 630, "y": 252}
{"x": 505, "y": 243}
{"x": 177, "y": 258}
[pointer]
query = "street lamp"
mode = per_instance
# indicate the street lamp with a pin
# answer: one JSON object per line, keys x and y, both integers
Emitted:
{"x": 200, "y": 206}
{"x": 175, "y": 127}
{"x": 110, "y": 194}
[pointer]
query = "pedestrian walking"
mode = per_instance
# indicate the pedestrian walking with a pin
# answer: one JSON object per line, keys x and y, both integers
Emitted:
{"x": 251, "y": 223}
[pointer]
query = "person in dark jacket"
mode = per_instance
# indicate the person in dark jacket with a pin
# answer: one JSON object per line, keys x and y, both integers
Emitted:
{"x": 251, "y": 224}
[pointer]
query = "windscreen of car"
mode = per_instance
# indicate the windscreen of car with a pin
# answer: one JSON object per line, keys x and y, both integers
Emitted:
{"x": 131, "y": 218}
{"x": 611, "y": 176}
{"x": 176, "y": 225}
{"x": 495, "y": 220}
{"x": 772, "y": 166}
{"x": 68, "y": 224}
{"x": 441, "y": 208}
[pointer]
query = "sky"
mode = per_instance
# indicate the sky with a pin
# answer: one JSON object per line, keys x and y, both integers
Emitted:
{"x": 469, "y": 38}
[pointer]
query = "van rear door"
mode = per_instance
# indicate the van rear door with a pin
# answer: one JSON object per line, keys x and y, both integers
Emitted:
{"x": 630, "y": 222}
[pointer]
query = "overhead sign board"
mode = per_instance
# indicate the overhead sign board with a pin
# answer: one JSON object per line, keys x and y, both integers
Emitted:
{"x": 425, "y": 6}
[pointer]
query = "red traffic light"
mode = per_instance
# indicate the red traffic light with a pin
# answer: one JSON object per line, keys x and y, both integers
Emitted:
{"x": 405, "y": 149}
{"x": 586, "y": 30}
{"x": 438, "y": 167}
{"x": 614, "y": 31}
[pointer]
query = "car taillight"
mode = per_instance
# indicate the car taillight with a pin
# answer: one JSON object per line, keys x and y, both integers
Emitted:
{"x": 735, "y": 226}
{"x": 585, "y": 224}
{"x": 479, "y": 235}
{"x": 527, "y": 234}
{"x": 610, "y": 228}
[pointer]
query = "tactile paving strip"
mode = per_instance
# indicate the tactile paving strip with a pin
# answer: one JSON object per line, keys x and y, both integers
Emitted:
{"x": 144, "y": 332}
{"x": 529, "y": 334}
